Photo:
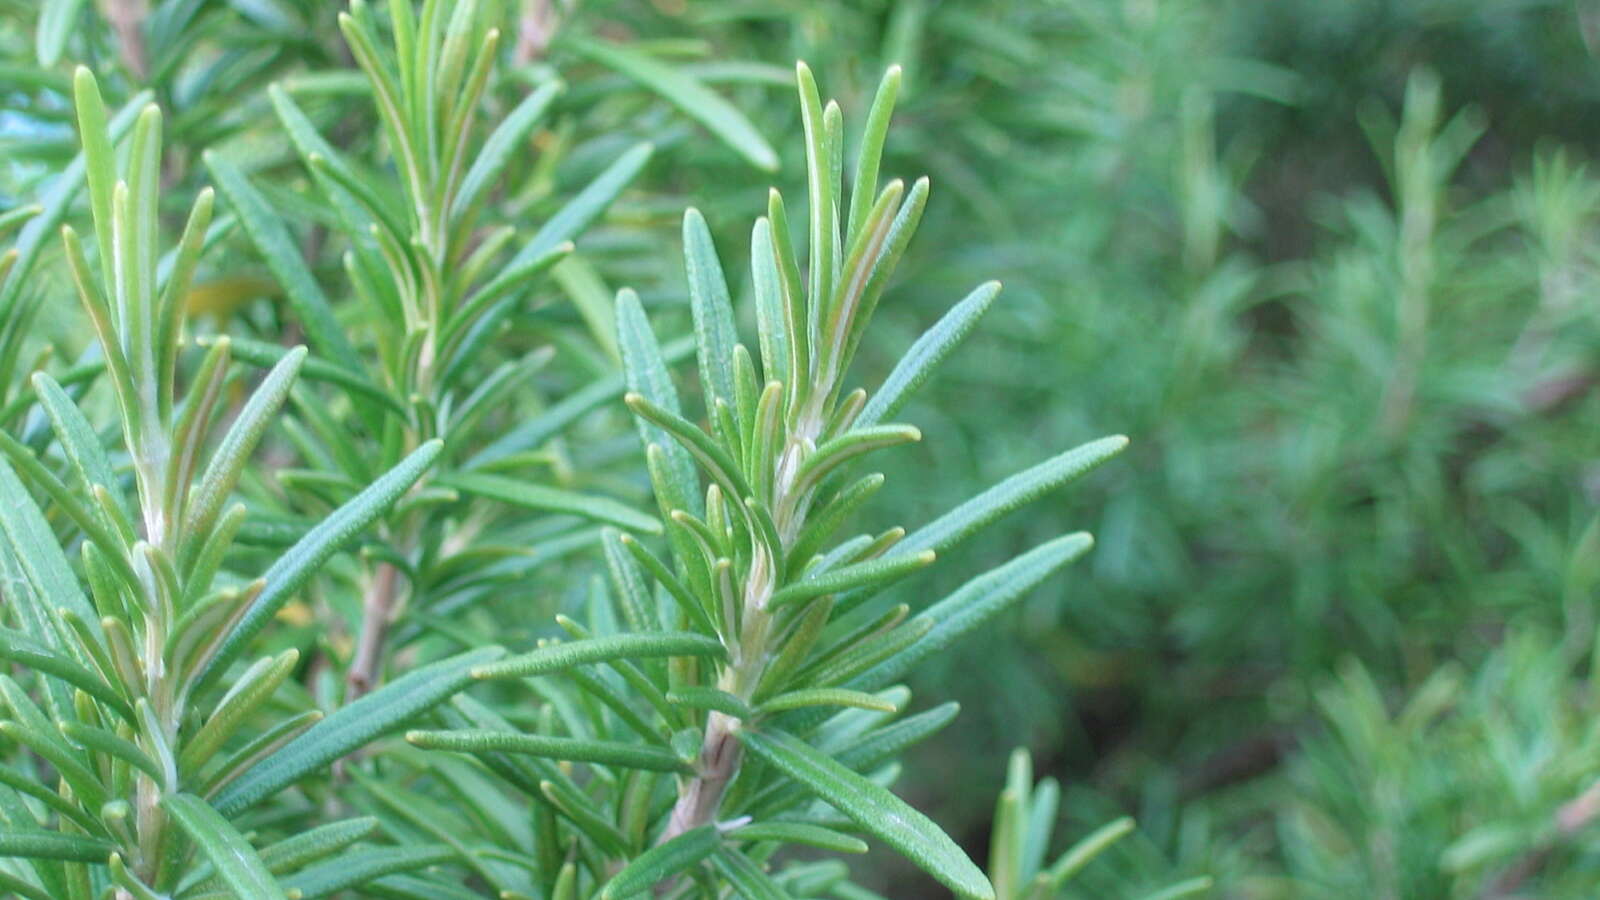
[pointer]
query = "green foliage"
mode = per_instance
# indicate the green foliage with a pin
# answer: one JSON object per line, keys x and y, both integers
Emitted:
{"x": 1327, "y": 262}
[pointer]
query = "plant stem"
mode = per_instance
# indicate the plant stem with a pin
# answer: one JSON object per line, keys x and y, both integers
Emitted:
{"x": 720, "y": 752}
{"x": 377, "y": 610}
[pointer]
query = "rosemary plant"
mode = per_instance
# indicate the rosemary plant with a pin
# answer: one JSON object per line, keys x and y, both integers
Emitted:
{"x": 727, "y": 667}
{"x": 134, "y": 699}
{"x": 436, "y": 286}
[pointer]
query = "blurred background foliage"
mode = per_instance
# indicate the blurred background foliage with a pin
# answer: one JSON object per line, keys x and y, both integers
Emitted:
{"x": 1331, "y": 265}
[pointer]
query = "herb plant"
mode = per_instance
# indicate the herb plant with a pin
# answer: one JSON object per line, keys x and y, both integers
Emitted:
{"x": 153, "y": 735}
{"x": 721, "y": 666}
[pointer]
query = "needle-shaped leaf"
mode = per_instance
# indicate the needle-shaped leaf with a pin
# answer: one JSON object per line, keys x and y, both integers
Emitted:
{"x": 871, "y": 153}
{"x": 745, "y": 875}
{"x": 100, "y": 740}
{"x": 1011, "y": 494}
{"x": 662, "y": 862}
{"x": 296, "y": 566}
{"x": 711, "y": 698}
{"x": 606, "y": 753}
{"x": 556, "y": 657}
{"x": 713, "y": 311}
{"x": 271, "y": 238}
{"x": 506, "y": 139}
{"x": 222, "y": 473}
{"x": 36, "y": 551}
{"x": 872, "y": 807}
{"x": 926, "y": 353}
{"x": 235, "y": 860}
{"x": 243, "y": 699}
{"x": 647, "y": 375}
{"x": 801, "y": 833}
{"x": 34, "y": 844}
{"x": 313, "y": 368}
{"x": 687, "y": 93}
{"x": 25, "y": 651}
{"x": 57, "y": 19}
{"x": 976, "y": 602}
{"x": 826, "y": 697}
{"x": 300, "y": 850}
{"x": 77, "y": 437}
{"x": 590, "y": 202}
{"x": 706, "y": 451}
{"x": 353, "y": 726}
{"x": 1084, "y": 852}
{"x": 351, "y": 870}
{"x": 548, "y": 499}
{"x": 877, "y": 572}
{"x": 58, "y": 200}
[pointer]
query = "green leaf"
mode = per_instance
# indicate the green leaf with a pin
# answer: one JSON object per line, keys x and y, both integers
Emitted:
{"x": 662, "y": 862}
{"x": 685, "y": 92}
{"x": 606, "y": 753}
{"x": 771, "y": 325}
{"x": 548, "y": 499}
{"x": 244, "y": 697}
{"x": 353, "y": 726}
{"x": 235, "y": 860}
{"x": 57, "y": 19}
{"x": 100, "y": 740}
{"x": 926, "y": 353}
{"x": 324, "y": 160}
{"x": 507, "y": 138}
{"x": 647, "y": 375}
{"x": 313, "y": 368}
{"x": 1186, "y": 888}
{"x": 711, "y": 698}
{"x": 871, "y": 153}
{"x": 50, "y": 845}
{"x": 557, "y": 657}
{"x": 1013, "y": 493}
{"x": 23, "y": 650}
{"x": 875, "y": 572}
{"x": 36, "y": 550}
{"x": 745, "y": 875}
{"x": 713, "y": 311}
{"x": 801, "y": 833}
{"x": 825, "y": 697}
{"x": 976, "y": 602}
{"x": 296, "y": 566}
{"x": 57, "y": 201}
{"x": 534, "y": 432}
{"x": 271, "y": 238}
{"x": 711, "y": 456}
{"x": 578, "y": 212}
{"x": 92, "y": 524}
{"x": 304, "y": 848}
{"x": 872, "y": 807}
{"x": 1084, "y": 852}
{"x": 352, "y": 870}
{"x": 840, "y": 450}
{"x": 229, "y": 459}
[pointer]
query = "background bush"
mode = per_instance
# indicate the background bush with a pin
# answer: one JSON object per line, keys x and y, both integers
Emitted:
{"x": 1329, "y": 265}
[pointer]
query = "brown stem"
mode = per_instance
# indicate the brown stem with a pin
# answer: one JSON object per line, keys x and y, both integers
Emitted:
{"x": 719, "y": 761}
{"x": 377, "y": 609}
{"x": 127, "y": 19}
{"x": 1572, "y": 817}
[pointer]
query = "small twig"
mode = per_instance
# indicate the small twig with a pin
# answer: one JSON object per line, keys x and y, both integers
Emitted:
{"x": 535, "y": 27}
{"x": 127, "y": 19}
{"x": 1572, "y": 817}
{"x": 377, "y": 610}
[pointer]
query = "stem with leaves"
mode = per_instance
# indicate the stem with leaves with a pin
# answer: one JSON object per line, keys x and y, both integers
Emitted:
{"x": 763, "y": 626}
